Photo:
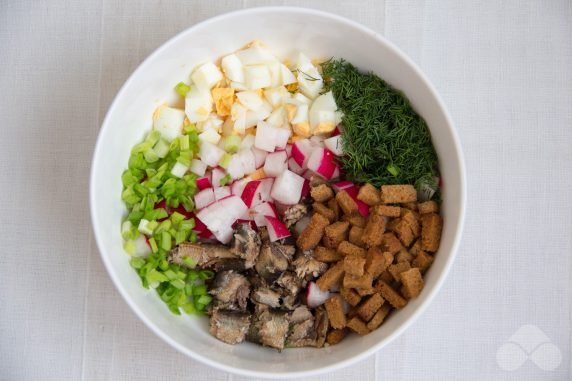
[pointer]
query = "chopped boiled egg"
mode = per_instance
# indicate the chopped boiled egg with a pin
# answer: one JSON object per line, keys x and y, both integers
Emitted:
{"x": 198, "y": 104}
{"x": 287, "y": 75}
{"x": 250, "y": 99}
{"x": 323, "y": 114}
{"x": 223, "y": 98}
{"x": 310, "y": 81}
{"x": 299, "y": 121}
{"x": 277, "y": 96}
{"x": 255, "y": 55}
{"x": 209, "y": 135}
{"x": 213, "y": 122}
{"x": 233, "y": 68}
{"x": 257, "y": 77}
{"x": 168, "y": 121}
{"x": 278, "y": 117}
{"x": 206, "y": 76}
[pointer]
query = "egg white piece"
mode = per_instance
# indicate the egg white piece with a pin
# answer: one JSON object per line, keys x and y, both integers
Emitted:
{"x": 213, "y": 121}
{"x": 277, "y": 96}
{"x": 278, "y": 117}
{"x": 310, "y": 81}
{"x": 168, "y": 121}
{"x": 209, "y": 135}
{"x": 257, "y": 77}
{"x": 255, "y": 55}
{"x": 206, "y": 76}
{"x": 233, "y": 68}
{"x": 250, "y": 99}
{"x": 323, "y": 114}
{"x": 286, "y": 75}
{"x": 198, "y": 104}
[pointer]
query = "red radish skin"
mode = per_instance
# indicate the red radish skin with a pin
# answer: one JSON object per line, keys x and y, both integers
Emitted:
{"x": 301, "y": 152}
{"x": 204, "y": 182}
{"x": 322, "y": 163}
{"x": 204, "y": 198}
{"x": 249, "y": 192}
{"x": 314, "y": 296}
{"x": 260, "y": 211}
{"x": 257, "y": 191}
{"x": 276, "y": 229}
{"x": 363, "y": 208}
{"x": 305, "y": 188}
{"x": 341, "y": 185}
{"x": 294, "y": 167}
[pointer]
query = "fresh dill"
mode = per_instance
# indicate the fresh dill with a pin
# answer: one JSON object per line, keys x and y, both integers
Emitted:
{"x": 385, "y": 141}
{"x": 308, "y": 76}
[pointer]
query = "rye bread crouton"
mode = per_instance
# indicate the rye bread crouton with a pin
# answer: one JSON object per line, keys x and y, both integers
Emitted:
{"x": 335, "y": 233}
{"x": 391, "y": 243}
{"x": 412, "y": 282}
{"x": 386, "y": 210}
{"x": 422, "y": 261}
{"x": 377, "y": 261}
{"x": 358, "y": 326}
{"x": 351, "y": 281}
{"x": 321, "y": 193}
{"x": 415, "y": 248}
{"x": 355, "y": 219}
{"x": 347, "y": 248}
{"x": 398, "y": 194}
{"x": 324, "y": 211}
{"x": 403, "y": 256}
{"x": 374, "y": 229}
{"x": 346, "y": 203}
{"x": 354, "y": 264}
{"x": 379, "y": 317}
{"x": 336, "y": 311}
{"x": 369, "y": 195}
{"x": 386, "y": 277}
{"x": 333, "y": 204}
{"x": 350, "y": 296}
{"x": 365, "y": 291}
{"x": 404, "y": 232}
{"x": 389, "y": 294}
{"x": 311, "y": 236}
{"x": 334, "y": 336}
{"x": 326, "y": 255}
{"x": 412, "y": 219}
{"x": 411, "y": 206}
{"x": 367, "y": 309}
{"x": 431, "y": 227}
{"x": 428, "y": 207}
{"x": 354, "y": 236}
{"x": 397, "y": 269}
{"x": 331, "y": 277}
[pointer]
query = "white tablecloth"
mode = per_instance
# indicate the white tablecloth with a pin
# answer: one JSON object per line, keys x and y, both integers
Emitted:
{"x": 504, "y": 68}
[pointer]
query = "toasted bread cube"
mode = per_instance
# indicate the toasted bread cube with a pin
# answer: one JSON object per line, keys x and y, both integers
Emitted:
{"x": 411, "y": 206}
{"x": 404, "y": 232}
{"x": 379, "y": 317}
{"x": 346, "y": 203}
{"x": 355, "y": 236}
{"x": 412, "y": 219}
{"x": 386, "y": 210}
{"x": 412, "y": 282}
{"x": 391, "y": 243}
{"x": 390, "y": 294}
{"x": 398, "y": 194}
{"x": 358, "y": 326}
{"x": 365, "y": 291}
{"x": 386, "y": 277}
{"x": 326, "y": 255}
{"x": 374, "y": 229}
{"x": 397, "y": 269}
{"x": 377, "y": 261}
{"x": 333, "y": 204}
{"x": 335, "y": 234}
{"x": 432, "y": 225}
{"x": 355, "y": 219}
{"x": 367, "y": 309}
{"x": 324, "y": 211}
{"x": 428, "y": 207}
{"x": 354, "y": 264}
{"x": 331, "y": 277}
{"x": 311, "y": 236}
{"x": 321, "y": 193}
{"x": 391, "y": 224}
{"x": 350, "y": 296}
{"x": 415, "y": 248}
{"x": 336, "y": 311}
{"x": 369, "y": 195}
{"x": 403, "y": 256}
{"x": 334, "y": 336}
{"x": 347, "y": 248}
{"x": 422, "y": 261}
{"x": 352, "y": 281}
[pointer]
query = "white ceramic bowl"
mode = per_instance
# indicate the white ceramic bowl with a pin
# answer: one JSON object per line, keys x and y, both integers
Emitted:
{"x": 284, "y": 30}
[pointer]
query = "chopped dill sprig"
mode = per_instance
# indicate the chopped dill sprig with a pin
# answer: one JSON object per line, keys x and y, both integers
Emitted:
{"x": 385, "y": 141}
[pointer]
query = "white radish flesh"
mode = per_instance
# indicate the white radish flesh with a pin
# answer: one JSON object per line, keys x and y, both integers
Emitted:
{"x": 198, "y": 167}
{"x": 221, "y": 192}
{"x": 210, "y": 154}
{"x": 301, "y": 151}
{"x": 287, "y": 188}
{"x": 275, "y": 163}
{"x": 276, "y": 229}
{"x": 217, "y": 175}
{"x": 334, "y": 144}
{"x": 204, "y": 198}
{"x": 221, "y": 215}
{"x": 316, "y": 297}
{"x": 259, "y": 156}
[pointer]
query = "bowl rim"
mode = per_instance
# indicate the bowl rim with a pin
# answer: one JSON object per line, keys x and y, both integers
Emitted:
{"x": 352, "y": 359}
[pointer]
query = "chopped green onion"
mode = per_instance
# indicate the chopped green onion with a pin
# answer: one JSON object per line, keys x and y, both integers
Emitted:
{"x": 184, "y": 143}
{"x": 178, "y": 284}
{"x": 224, "y": 160}
{"x": 166, "y": 241}
{"x": 200, "y": 290}
{"x": 164, "y": 226}
{"x": 231, "y": 143}
{"x": 204, "y": 299}
{"x": 150, "y": 156}
{"x": 145, "y": 227}
{"x": 225, "y": 180}
{"x": 182, "y": 89}
{"x": 153, "y": 244}
{"x": 190, "y": 262}
{"x": 206, "y": 274}
{"x": 181, "y": 236}
{"x": 161, "y": 148}
{"x": 393, "y": 170}
{"x": 136, "y": 262}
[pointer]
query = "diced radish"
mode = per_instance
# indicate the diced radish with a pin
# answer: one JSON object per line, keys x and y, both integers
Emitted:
{"x": 288, "y": 149}
{"x": 317, "y": 141}
{"x": 204, "y": 182}
{"x": 247, "y": 142}
{"x": 258, "y": 174}
{"x": 282, "y": 136}
{"x": 363, "y": 208}
{"x": 294, "y": 167}
{"x": 238, "y": 186}
{"x": 262, "y": 210}
{"x": 217, "y": 175}
{"x": 210, "y": 154}
{"x": 276, "y": 229}
{"x": 336, "y": 174}
{"x": 341, "y": 185}
{"x": 275, "y": 163}
{"x": 321, "y": 162}
{"x": 316, "y": 297}
{"x": 259, "y": 156}
{"x": 265, "y": 137}
{"x": 308, "y": 174}
{"x": 198, "y": 167}
{"x": 248, "y": 161}
{"x": 204, "y": 198}
{"x": 221, "y": 215}
{"x": 221, "y": 192}
{"x": 301, "y": 151}
{"x": 256, "y": 192}
{"x": 337, "y": 131}
{"x": 287, "y": 188}
{"x": 235, "y": 169}
{"x": 305, "y": 188}
{"x": 334, "y": 144}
